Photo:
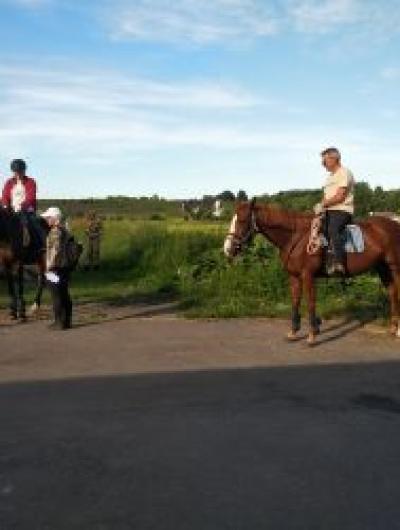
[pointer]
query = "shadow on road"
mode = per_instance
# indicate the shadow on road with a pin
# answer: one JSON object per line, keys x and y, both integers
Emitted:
{"x": 283, "y": 448}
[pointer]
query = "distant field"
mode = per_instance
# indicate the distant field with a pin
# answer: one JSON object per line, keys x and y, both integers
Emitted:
{"x": 174, "y": 259}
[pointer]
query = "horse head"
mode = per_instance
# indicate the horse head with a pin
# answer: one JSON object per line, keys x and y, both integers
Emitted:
{"x": 242, "y": 229}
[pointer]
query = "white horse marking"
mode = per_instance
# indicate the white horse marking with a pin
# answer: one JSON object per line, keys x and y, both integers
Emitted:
{"x": 228, "y": 243}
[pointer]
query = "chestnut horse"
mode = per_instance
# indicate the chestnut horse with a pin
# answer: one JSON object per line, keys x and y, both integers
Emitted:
{"x": 13, "y": 257}
{"x": 289, "y": 231}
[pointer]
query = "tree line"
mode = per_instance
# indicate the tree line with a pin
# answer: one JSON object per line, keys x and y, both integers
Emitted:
{"x": 368, "y": 200}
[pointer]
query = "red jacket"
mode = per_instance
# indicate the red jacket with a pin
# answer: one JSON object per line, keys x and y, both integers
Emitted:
{"x": 29, "y": 205}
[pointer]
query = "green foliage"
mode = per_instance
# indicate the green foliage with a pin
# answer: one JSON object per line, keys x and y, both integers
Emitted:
{"x": 185, "y": 261}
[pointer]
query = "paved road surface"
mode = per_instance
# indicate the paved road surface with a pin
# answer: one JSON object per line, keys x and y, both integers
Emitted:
{"x": 168, "y": 424}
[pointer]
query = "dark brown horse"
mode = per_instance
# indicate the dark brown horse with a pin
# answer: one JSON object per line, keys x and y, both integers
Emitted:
{"x": 289, "y": 231}
{"x": 13, "y": 257}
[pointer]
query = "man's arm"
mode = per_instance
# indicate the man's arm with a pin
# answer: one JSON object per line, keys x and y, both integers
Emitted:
{"x": 338, "y": 198}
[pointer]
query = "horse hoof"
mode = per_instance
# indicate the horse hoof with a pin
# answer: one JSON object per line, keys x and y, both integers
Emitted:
{"x": 311, "y": 341}
{"x": 34, "y": 309}
{"x": 292, "y": 336}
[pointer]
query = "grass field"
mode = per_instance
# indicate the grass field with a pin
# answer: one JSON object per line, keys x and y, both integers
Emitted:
{"x": 174, "y": 259}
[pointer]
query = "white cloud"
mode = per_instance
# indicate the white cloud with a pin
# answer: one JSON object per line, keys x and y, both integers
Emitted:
{"x": 321, "y": 16}
{"x": 105, "y": 114}
{"x": 103, "y": 119}
{"x": 192, "y": 21}
{"x": 233, "y": 22}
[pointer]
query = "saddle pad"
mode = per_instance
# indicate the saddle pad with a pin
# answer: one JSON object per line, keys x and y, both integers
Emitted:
{"x": 354, "y": 240}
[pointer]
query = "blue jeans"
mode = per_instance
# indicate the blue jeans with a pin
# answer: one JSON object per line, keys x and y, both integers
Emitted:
{"x": 335, "y": 225}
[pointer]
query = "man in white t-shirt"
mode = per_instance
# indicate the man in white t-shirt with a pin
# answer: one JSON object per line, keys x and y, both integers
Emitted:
{"x": 337, "y": 204}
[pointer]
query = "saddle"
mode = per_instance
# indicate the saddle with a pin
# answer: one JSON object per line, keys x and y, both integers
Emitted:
{"x": 353, "y": 240}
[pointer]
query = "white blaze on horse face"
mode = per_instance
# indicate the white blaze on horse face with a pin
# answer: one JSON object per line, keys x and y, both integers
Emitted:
{"x": 228, "y": 244}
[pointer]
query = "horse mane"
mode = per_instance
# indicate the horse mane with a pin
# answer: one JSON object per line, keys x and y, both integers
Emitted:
{"x": 293, "y": 219}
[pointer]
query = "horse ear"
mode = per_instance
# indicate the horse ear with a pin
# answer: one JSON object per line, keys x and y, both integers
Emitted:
{"x": 253, "y": 202}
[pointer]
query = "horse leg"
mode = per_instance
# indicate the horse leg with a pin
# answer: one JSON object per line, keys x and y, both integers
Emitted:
{"x": 21, "y": 299}
{"x": 12, "y": 294}
{"x": 394, "y": 328}
{"x": 314, "y": 321}
{"x": 296, "y": 289}
{"x": 37, "y": 302}
{"x": 394, "y": 308}
{"x": 388, "y": 280}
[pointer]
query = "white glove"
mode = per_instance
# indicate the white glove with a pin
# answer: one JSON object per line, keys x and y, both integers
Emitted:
{"x": 319, "y": 209}
{"x": 52, "y": 277}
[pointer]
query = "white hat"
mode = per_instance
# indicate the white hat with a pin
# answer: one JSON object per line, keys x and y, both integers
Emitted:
{"x": 53, "y": 212}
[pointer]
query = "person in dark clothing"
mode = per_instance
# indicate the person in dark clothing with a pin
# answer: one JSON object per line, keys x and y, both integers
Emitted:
{"x": 58, "y": 271}
{"x": 335, "y": 225}
{"x": 62, "y": 303}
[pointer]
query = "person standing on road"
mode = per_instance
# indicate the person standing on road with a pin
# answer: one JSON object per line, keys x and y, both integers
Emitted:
{"x": 337, "y": 205}
{"x": 58, "y": 270}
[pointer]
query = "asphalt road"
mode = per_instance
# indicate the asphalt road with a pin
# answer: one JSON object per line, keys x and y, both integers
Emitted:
{"x": 166, "y": 424}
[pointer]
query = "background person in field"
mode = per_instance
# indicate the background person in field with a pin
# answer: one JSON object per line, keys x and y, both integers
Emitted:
{"x": 58, "y": 270}
{"x": 19, "y": 195}
{"x": 337, "y": 205}
{"x": 94, "y": 230}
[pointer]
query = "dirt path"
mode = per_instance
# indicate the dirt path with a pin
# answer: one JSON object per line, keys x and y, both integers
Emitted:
{"x": 158, "y": 423}
{"x": 107, "y": 340}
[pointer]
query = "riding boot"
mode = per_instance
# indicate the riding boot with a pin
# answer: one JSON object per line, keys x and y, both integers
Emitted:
{"x": 336, "y": 268}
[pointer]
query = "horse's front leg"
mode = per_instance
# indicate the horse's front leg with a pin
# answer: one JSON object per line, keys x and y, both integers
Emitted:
{"x": 296, "y": 289}
{"x": 314, "y": 321}
{"x": 21, "y": 299}
{"x": 12, "y": 293}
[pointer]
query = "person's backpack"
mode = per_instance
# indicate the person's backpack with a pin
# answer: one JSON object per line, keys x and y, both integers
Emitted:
{"x": 73, "y": 250}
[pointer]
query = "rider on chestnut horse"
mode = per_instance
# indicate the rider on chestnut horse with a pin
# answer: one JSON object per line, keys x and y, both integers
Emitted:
{"x": 337, "y": 206}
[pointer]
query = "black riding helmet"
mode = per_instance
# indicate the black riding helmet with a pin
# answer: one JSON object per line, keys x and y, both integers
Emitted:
{"x": 18, "y": 166}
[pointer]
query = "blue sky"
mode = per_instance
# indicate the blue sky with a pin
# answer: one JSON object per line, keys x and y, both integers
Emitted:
{"x": 185, "y": 98}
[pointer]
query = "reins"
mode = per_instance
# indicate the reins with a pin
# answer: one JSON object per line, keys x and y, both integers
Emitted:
{"x": 241, "y": 240}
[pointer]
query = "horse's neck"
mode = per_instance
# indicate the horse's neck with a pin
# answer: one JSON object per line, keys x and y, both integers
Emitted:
{"x": 5, "y": 227}
{"x": 278, "y": 229}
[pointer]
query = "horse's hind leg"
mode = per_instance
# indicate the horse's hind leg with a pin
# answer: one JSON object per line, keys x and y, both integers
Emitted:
{"x": 296, "y": 289}
{"x": 315, "y": 322}
{"x": 394, "y": 291}
{"x": 391, "y": 281}
{"x": 12, "y": 293}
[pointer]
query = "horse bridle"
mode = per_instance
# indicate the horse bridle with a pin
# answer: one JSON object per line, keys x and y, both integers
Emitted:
{"x": 241, "y": 240}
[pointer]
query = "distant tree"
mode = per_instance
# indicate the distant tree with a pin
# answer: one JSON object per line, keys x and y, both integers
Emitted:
{"x": 364, "y": 199}
{"x": 227, "y": 196}
{"x": 241, "y": 196}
